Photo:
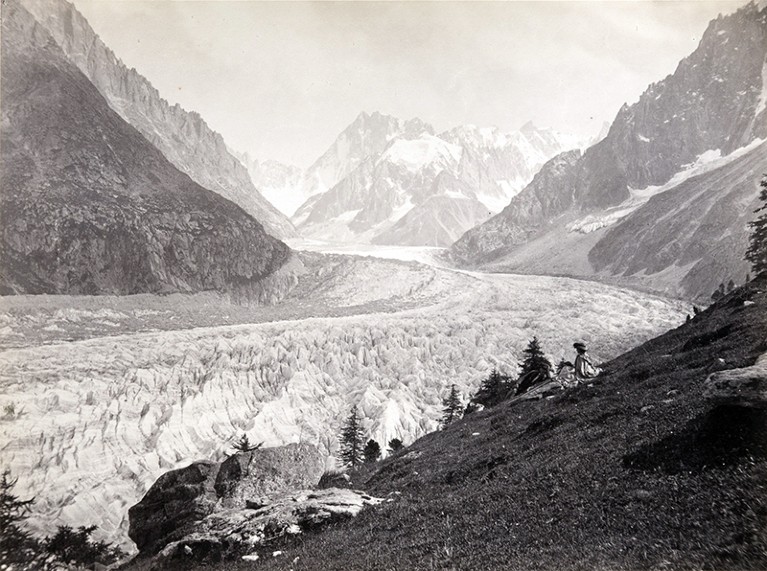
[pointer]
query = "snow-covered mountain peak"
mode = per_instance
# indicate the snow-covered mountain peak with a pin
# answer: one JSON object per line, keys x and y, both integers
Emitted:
{"x": 426, "y": 150}
{"x": 477, "y": 137}
{"x": 528, "y": 127}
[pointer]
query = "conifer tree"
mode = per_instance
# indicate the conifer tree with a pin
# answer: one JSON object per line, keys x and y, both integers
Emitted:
{"x": 16, "y": 544}
{"x": 757, "y": 250}
{"x": 395, "y": 445}
{"x": 534, "y": 359}
{"x": 76, "y": 547}
{"x": 452, "y": 407}
{"x": 244, "y": 445}
{"x": 535, "y": 366}
{"x": 492, "y": 390}
{"x": 372, "y": 452}
{"x": 351, "y": 440}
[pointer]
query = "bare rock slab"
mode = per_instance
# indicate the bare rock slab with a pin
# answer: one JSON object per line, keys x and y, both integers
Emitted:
{"x": 236, "y": 532}
{"x": 746, "y": 387}
{"x": 177, "y": 498}
{"x": 257, "y": 475}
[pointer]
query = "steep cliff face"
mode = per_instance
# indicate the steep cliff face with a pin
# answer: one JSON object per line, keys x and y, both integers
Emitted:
{"x": 713, "y": 103}
{"x": 500, "y": 233}
{"x": 183, "y": 137}
{"x": 368, "y": 135}
{"x": 90, "y": 206}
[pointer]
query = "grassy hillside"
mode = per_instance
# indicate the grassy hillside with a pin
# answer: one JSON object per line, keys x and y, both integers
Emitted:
{"x": 633, "y": 472}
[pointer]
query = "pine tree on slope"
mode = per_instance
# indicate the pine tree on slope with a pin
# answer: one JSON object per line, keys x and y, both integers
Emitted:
{"x": 492, "y": 390}
{"x": 372, "y": 451}
{"x": 244, "y": 445}
{"x": 395, "y": 445}
{"x": 536, "y": 368}
{"x": 16, "y": 544}
{"x": 757, "y": 250}
{"x": 452, "y": 407}
{"x": 351, "y": 440}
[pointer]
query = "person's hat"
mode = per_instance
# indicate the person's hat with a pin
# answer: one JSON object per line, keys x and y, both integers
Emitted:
{"x": 580, "y": 346}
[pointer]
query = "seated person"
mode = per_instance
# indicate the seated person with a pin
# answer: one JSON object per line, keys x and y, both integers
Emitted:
{"x": 584, "y": 368}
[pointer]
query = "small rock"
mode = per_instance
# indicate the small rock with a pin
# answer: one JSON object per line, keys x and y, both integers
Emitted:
{"x": 251, "y": 557}
{"x": 276, "y": 553}
{"x": 642, "y": 494}
{"x": 257, "y": 503}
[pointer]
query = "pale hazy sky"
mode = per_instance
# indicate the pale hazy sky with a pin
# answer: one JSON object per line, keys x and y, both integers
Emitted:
{"x": 281, "y": 79}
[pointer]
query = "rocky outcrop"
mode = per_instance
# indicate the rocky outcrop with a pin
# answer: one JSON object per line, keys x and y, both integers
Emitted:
{"x": 712, "y": 106}
{"x": 177, "y": 499}
{"x": 183, "y": 137}
{"x": 89, "y": 206}
{"x": 180, "y": 500}
{"x": 257, "y": 475}
{"x": 746, "y": 387}
{"x": 240, "y": 532}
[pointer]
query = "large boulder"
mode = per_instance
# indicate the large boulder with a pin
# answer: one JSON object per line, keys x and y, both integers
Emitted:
{"x": 176, "y": 499}
{"x": 180, "y": 499}
{"x": 746, "y": 387}
{"x": 258, "y": 475}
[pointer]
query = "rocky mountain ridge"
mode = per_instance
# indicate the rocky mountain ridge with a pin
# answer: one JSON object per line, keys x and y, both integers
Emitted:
{"x": 90, "y": 206}
{"x": 183, "y": 137}
{"x": 714, "y": 103}
{"x": 426, "y": 189}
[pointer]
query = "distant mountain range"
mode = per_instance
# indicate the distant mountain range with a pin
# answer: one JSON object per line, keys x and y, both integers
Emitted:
{"x": 664, "y": 199}
{"x": 389, "y": 181}
{"x": 660, "y": 200}
{"x": 90, "y": 206}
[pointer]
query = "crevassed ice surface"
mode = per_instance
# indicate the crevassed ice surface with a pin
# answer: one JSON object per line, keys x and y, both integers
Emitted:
{"x": 97, "y": 421}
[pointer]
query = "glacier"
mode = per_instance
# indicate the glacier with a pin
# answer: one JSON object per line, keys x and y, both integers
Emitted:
{"x": 91, "y": 422}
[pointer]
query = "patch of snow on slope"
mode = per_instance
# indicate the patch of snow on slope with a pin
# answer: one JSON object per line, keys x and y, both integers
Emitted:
{"x": 706, "y": 162}
{"x": 762, "y": 104}
{"x": 417, "y": 153}
{"x": 593, "y": 222}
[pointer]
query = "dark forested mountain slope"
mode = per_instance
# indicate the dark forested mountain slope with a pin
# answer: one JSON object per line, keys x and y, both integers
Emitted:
{"x": 182, "y": 136}
{"x": 88, "y": 205}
